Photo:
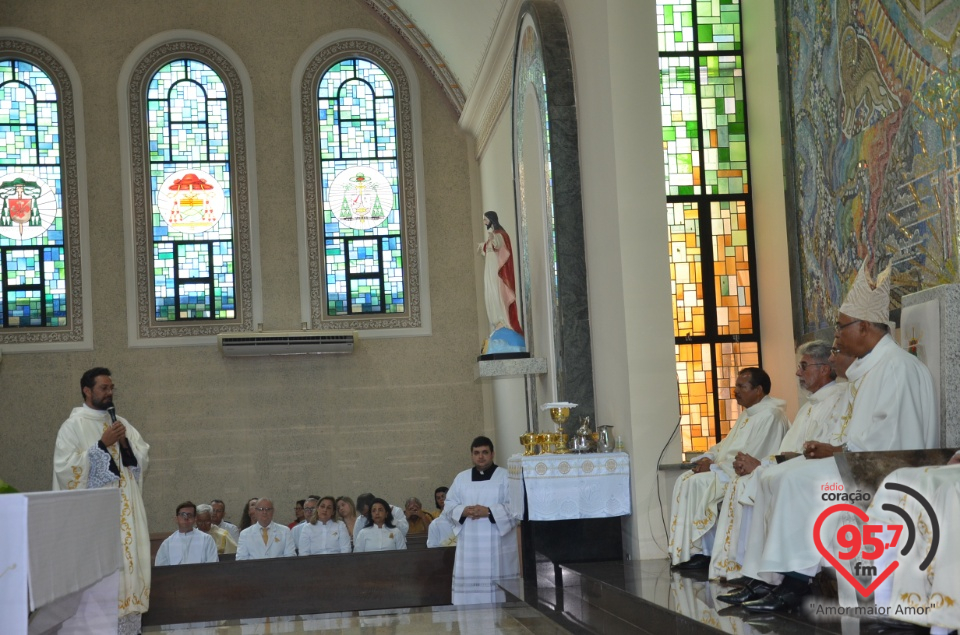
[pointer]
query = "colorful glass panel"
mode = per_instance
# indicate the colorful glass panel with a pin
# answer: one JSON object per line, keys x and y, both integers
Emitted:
{"x": 722, "y": 105}
{"x": 675, "y": 25}
{"x": 192, "y": 221}
{"x": 731, "y": 267}
{"x": 695, "y": 377}
{"x": 32, "y": 253}
{"x": 686, "y": 274}
{"x": 681, "y": 133}
{"x": 358, "y": 139}
{"x": 731, "y": 357}
{"x": 718, "y": 25}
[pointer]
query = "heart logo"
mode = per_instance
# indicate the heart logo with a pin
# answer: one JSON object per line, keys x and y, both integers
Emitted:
{"x": 862, "y": 590}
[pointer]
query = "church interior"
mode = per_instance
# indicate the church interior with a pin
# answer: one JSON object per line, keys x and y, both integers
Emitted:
{"x": 397, "y": 414}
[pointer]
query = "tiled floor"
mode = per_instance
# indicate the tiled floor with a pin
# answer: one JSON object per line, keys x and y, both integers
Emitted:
{"x": 505, "y": 619}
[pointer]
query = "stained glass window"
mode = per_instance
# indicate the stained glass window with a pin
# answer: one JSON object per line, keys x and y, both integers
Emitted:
{"x": 359, "y": 171}
{"x": 38, "y": 263}
{"x": 189, "y": 151}
{"x": 703, "y": 116}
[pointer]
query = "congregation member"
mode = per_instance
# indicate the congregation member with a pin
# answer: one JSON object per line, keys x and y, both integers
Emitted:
{"x": 265, "y": 538}
{"x": 758, "y": 431}
{"x": 417, "y": 519}
{"x": 219, "y": 509}
{"x": 364, "y": 501}
{"x": 347, "y": 514}
{"x": 321, "y": 533}
{"x": 381, "y": 532}
{"x": 187, "y": 545}
{"x": 894, "y": 408}
{"x": 477, "y": 505}
{"x": 221, "y": 537}
{"x": 298, "y": 513}
{"x": 94, "y": 449}
{"x": 821, "y": 374}
{"x": 439, "y": 498}
{"x": 249, "y": 515}
{"x": 309, "y": 509}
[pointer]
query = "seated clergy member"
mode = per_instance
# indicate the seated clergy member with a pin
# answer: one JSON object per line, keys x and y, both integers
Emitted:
{"x": 893, "y": 408}
{"x": 187, "y": 545}
{"x": 418, "y": 519}
{"x": 820, "y": 418}
{"x": 441, "y": 532}
{"x": 219, "y": 509}
{"x": 309, "y": 509}
{"x": 380, "y": 534}
{"x": 757, "y": 432}
{"x": 321, "y": 533}
{"x": 265, "y": 538}
{"x": 225, "y": 544}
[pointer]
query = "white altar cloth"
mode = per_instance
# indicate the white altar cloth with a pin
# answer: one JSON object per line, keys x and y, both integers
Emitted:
{"x": 57, "y": 559}
{"x": 570, "y": 486}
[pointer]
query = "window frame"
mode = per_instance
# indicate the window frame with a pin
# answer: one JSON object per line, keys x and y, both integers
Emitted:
{"x": 313, "y": 64}
{"x": 77, "y": 334}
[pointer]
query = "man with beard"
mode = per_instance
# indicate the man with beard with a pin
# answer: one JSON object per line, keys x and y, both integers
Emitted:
{"x": 97, "y": 449}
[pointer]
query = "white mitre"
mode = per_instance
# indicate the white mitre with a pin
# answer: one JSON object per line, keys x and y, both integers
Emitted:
{"x": 869, "y": 300}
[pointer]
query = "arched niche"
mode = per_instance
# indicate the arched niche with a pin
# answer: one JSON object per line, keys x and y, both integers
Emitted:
{"x": 546, "y": 163}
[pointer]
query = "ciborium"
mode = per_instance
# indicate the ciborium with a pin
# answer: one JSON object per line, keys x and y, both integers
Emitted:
{"x": 529, "y": 441}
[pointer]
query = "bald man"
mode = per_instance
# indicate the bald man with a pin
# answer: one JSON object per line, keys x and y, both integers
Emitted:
{"x": 265, "y": 538}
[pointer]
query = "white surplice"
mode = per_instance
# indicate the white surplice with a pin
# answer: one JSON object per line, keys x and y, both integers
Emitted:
{"x": 192, "y": 547}
{"x": 757, "y": 432}
{"x": 894, "y": 408}
{"x": 821, "y": 418}
{"x": 78, "y": 463}
{"x": 486, "y": 551}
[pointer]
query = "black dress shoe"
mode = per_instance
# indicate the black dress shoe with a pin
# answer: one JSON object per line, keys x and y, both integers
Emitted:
{"x": 752, "y": 590}
{"x": 776, "y": 600}
{"x": 698, "y": 561}
{"x": 741, "y": 581}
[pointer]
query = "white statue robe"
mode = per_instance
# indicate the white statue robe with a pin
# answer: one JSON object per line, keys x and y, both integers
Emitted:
{"x": 192, "y": 547}
{"x": 758, "y": 431}
{"x": 486, "y": 551}
{"x": 78, "y": 463}
{"x": 894, "y": 408}
{"x": 821, "y": 418}
{"x": 329, "y": 537}
{"x": 929, "y": 597}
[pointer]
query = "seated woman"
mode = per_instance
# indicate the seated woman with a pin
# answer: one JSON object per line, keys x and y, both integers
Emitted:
{"x": 347, "y": 514}
{"x": 249, "y": 515}
{"x": 321, "y": 533}
{"x": 380, "y": 534}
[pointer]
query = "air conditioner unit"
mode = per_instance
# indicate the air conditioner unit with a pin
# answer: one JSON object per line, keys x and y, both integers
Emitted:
{"x": 287, "y": 343}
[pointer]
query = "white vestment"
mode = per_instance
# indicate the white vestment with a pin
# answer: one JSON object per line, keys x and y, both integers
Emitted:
{"x": 930, "y": 597}
{"x": 757, "y": 432}
{"x": 329, "y": 537}
{"x": 78, "y": 463}
{"x": 279, "y": 542}
{"x": 894, "y": 408}
{"x": 486, "y": 550}
{"x": 231, "y": 529}
{"x": 441, "y": 533}
{"x": 375, "y": 538}
{"x": 193, "y": 547}
{"x": 821, "y": 418}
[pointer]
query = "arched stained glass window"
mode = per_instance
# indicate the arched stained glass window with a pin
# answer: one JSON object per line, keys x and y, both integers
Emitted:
{"x": 40, "y": 269}
{"x": 192, "y": 215}
{"x": 361, "y": 199}
{"x": 709, "y": 211}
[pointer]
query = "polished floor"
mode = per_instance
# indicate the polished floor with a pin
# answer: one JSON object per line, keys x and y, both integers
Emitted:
{"x": 509, "y": 618}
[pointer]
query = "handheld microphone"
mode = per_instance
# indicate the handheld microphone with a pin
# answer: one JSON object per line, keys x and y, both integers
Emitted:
{"x": 113, "y": 414}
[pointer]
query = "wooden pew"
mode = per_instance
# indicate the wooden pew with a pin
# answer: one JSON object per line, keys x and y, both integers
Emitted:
{"x": 300, "y": 586}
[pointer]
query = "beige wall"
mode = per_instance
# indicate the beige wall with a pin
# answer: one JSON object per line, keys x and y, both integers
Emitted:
{"x": 396, "y": 417}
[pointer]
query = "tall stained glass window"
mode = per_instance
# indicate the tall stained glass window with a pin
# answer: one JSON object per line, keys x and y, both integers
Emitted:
{"x": 40, "y": 283}
{"x": 361, "y": 204}
{"x": 709, "y": 211}
{"x": 193, "y": 223}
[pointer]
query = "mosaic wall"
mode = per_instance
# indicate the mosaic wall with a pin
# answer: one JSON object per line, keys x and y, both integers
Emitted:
{"x": 871, "y": 116}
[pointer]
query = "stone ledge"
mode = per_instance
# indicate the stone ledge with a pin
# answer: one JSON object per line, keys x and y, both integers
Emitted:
{"x": 510, "y": 367}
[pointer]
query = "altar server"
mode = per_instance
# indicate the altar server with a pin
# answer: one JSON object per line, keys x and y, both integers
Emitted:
{"x": 187, "y": 545}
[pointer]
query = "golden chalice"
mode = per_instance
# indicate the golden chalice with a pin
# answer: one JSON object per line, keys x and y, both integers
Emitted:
{"x": 543, "y": 441}
{"x": 529, "y": 441}
{"x": 560, "y": 416}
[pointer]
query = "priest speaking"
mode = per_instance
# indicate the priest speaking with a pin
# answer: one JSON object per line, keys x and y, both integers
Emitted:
{"x": 95, "y": 449}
